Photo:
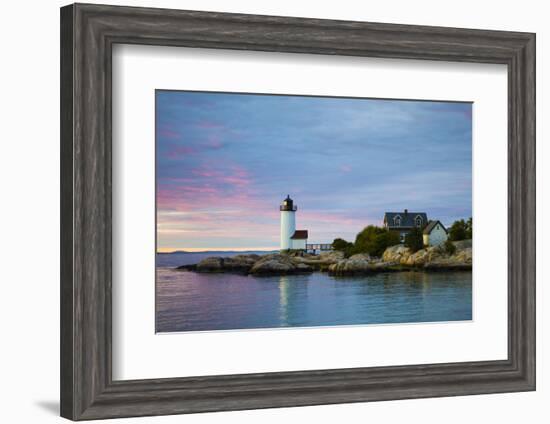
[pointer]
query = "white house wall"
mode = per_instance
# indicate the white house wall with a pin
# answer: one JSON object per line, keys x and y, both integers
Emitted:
{"x": 436, "y": 237}
{"x": 299, "y": 244}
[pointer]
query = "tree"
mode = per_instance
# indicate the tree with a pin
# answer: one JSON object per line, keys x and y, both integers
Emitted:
{"x": 343, "y": 246}
{"x": 384, "y": 240}
{"x": 374, "y": 240}
{"x": 469, "y": 229}
{"x": 364, "y": 241}
{"x": 414, "y": 240}
{"x": 459, "y": 231}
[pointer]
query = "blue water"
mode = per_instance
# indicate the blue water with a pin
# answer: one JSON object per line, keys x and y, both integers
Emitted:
{"x": 188, "y": 301}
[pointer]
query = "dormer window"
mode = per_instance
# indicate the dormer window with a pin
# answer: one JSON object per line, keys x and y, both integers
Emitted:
{"x": 397, "y": 221}
{"x": 418, "y": 221}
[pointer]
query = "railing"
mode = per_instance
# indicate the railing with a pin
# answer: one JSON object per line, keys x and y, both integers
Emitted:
{"x": 288, "y": 208}
{"x": 319, "y": 246}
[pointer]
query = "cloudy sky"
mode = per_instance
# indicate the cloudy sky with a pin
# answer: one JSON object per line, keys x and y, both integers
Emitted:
{"x": 226, "y": 161}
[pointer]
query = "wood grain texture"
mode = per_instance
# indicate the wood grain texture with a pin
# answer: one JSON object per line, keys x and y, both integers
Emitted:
{"x": 66, "y": 212}
{"x": 88, "y": 33}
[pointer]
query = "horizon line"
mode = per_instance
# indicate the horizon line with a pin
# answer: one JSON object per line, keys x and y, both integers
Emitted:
{"x": 214, "y": 249}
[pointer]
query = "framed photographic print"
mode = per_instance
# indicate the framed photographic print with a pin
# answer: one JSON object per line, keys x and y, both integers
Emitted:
{"x": 269, "y": 211}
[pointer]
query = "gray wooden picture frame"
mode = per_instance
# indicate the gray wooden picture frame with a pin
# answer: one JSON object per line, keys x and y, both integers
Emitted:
{"x": 88, "y": 33}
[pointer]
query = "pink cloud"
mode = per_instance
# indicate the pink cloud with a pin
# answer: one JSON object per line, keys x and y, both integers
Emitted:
{"x": 214, "y": 142}
{"x": 234, "y": 176}
{"x": 209, "y": 125}
{"x": 169, "y": 134}
{"x": 179, "y": 151}
{"x": 216, "y": 202}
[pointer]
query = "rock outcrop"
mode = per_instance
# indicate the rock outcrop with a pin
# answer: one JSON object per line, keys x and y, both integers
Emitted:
{"x": 460, "y": 260}
{"x": 238, "y": 264}
{"x": 319, "y": 262}
{"x": 396, "y": 253}
{"x": 400, "y": 258}
{"x": 360, "y": 264}
{"x": 395, "y": 258}
{"x": 279, "y": 264}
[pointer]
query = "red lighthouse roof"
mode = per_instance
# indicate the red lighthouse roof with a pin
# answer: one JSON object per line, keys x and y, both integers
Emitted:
{"x": 299, "y": 235}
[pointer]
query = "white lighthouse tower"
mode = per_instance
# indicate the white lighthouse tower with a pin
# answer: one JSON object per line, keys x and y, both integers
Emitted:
{"x": 288, "y": 222}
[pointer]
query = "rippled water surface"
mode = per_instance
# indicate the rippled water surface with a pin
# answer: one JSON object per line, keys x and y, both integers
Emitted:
{"x": 188, "y": 301}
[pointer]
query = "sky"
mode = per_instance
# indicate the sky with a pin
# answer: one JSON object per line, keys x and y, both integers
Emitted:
{"x": 225, "y": 162}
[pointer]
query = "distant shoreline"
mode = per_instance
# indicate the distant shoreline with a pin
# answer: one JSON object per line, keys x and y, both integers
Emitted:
{"x": 216, "y": 251}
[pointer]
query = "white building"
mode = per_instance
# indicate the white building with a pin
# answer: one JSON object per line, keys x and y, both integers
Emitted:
{"x": 299, "y": 240}
{"x": 434, "y": 234}
{"x": 290, "y": 237}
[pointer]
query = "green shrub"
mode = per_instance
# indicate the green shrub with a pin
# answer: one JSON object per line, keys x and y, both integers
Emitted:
{"x": 458, "y": 231}
{"x": 341, "y": 244}
{"x": 384, "y": 240}
{"x": 449, "y": 247}
{"x": 374, "y": 240}
{"x": 414, "y": 240}
{"x": 364, "y": 241}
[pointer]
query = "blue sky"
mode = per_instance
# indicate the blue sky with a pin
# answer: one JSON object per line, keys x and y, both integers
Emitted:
{"x": 225, "y": 162}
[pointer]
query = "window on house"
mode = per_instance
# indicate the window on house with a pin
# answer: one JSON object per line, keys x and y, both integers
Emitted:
{"x": 397, "y": 221}
{"x": 418, "y": 221}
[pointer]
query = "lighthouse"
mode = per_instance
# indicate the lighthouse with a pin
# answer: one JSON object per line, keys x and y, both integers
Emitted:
{"x": 290, "y": 238}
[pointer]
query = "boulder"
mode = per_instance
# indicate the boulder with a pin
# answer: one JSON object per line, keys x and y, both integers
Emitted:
{"x": 331, "y": 256}
{"x": 239, "y": 264}
{"x": 349, "y": 266}
{"x": 417, "y": 258}
{"x": 319, "y": 262}
{"x": 362, "y": 257}
{"x": 463, "y": 244}
{"x": 277, "y": 264}
{"x": 423, "y": 256}
{"x": 460, "y": 260}
{"x": 463, "y": 256}
{"x": 211, "y": 264}
{"x": 357, "y": 265}
{"x": 273, "y": 267}
{"x": 396, "y": 253}
{"x": 361, "y": 264}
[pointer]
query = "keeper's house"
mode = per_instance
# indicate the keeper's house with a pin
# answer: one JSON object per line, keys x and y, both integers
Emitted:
{"x": 298, "y": 240}
{"x": 434, "y": 234}
{"x": 404, "y": 222}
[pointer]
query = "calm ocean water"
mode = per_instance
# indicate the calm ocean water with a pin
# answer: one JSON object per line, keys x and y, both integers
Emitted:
{"x": 188, "y": 301}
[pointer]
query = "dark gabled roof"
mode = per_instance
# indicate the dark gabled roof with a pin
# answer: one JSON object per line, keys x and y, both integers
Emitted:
{"x": 431, "y": 225}
{"x": 299, "y": 235}
{"x": 407, "y": 218}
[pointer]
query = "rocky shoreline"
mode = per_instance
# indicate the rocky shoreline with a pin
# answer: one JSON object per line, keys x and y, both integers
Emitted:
{"x": 395, "y": 259}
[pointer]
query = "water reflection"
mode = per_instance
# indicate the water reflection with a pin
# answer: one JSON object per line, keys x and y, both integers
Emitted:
{"x": 292, "y": 296}
{"x": 284, "y": 294}
{"x": 187, "y": 301}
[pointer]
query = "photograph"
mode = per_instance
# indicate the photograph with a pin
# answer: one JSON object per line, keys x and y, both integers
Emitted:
{"x": 277, "y": 211}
